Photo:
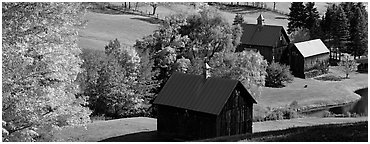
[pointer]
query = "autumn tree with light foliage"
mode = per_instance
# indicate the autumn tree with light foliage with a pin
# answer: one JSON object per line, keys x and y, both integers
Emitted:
{"x": 40, "y": 64}
{"x": 185, "y": 39}
{"x": 248, "y": 67}
{"x": 123, "y": 84}
{"x": 184, "y": 42}
{"x": 348, "y": 65}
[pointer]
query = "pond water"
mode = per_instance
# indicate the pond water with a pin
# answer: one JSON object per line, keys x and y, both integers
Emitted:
{"x": 358, "y": 107}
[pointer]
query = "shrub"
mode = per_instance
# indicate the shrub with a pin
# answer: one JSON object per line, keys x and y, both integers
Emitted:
{"x": 259, "y": 113}
{"x": 329, "y": 78}
{"x": 275, "y": 115}
{"x": 277, "y": 74}
{"x": 294, "y": 105}
{"x": 327, "y": 114}
{"x": 347, "y": 114}
{"x": 348, "y": 66}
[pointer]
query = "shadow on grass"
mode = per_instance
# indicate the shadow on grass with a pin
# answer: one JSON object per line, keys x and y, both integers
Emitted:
{"x": 151, "y": 20}
{"x": 322, "y": 133}
{"x": 148, "y": 136}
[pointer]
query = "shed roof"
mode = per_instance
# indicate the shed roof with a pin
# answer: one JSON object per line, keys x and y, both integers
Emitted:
{"x": 265, "y": 35}
{"x": 196, "y": 93}
{"x": 311, "y": 48}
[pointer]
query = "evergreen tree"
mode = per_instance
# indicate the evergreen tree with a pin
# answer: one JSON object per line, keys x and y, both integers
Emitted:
{"x": 316, "y": 30}
{"x": 341, "y": 29}
{"x": 327, "y": 25}
{"x": 312, "y": 15}
{"x": 358, "y": 33}
{"x": 238, "y": 19}
{"x": 297, "y": 16}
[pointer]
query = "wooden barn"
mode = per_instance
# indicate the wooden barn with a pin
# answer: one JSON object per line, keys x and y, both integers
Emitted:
{"x": 308, "y": 59}
{"x": 194, "y": 107}
{"x": 269, "y": 40}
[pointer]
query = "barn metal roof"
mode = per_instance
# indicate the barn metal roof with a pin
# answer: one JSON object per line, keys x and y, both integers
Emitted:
{"x": 311, "y": 48}
{"x": 265, "y": 35}
{"x": 196, "y": 93}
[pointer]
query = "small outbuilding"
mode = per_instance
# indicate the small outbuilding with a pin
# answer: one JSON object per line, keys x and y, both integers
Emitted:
{"x": 362, "y": 67}
{"x": 194, "y": 107}
{"x": 308, "y": 59}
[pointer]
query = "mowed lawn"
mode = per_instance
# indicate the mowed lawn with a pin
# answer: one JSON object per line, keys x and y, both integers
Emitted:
{"x": 317, "y": 93}
{"x": 101, "y": 28}
{"x": 144, "y": 129}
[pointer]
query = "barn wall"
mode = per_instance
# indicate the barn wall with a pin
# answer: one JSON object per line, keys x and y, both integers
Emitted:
{"x": 310, "y": 62}
{"x": 296, "y": 62}
{"x": 236, "y": 116}
{"x": 185, "y": 124}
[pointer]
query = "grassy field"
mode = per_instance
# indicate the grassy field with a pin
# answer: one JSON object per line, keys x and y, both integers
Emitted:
{"x": 284, "y": 6}
{"x": 128, "y": 28}
{"x": 317, "y": 93}
{"x": 144, "y": 129}
{"x": 101, "y": 130}
{"x": 101, "y": 28}
{"x": 348, "y": 132}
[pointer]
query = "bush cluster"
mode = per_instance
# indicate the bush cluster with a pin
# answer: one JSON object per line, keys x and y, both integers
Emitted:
{"x": 267, "y": 114}
{"x": 329, "y": 78}
{"x": 282, "y": 113}
{"x": 347, "y": 114}
{"x": 277, "y": 74}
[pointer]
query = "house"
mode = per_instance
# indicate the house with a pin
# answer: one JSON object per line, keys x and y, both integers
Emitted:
{"x": 191, "y": 107}
{"x": 269, "y": 40}
{"x": 308, "y": 59}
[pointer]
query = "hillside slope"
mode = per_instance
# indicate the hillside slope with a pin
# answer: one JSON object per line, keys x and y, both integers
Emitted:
{"x": 101, "y": 28}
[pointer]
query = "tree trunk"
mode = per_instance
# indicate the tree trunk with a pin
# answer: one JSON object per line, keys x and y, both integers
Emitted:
{"x": 125, "y": 4}
{"x": 274, "y": 5}
{"x": 154, "y": 8}
{"x": 129, "y": 5}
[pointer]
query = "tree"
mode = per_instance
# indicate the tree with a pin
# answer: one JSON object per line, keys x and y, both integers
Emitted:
{"x": 316, "y": 30}
{"x": 125, "y": 85}
{"x": 154, "y": 5}
{"x": 312, "y": 15}
{"x": 348, "y": 65}
{"x": 248, "y": 67}
{"x": 358, "y": 33}
{"x": 297, "y": 16}
{"x": 277, "y": 74}
{"x": 300, "y": 35}
{"x": 40, "y": 65}
{"x": 238, "y": 19}
{"x": 191, "y": 37}
{"x": 327, "y": 25}
{"x": 341, "y": 29}
{"x": 94, "y": 60}
{"x": 274, "y": 6}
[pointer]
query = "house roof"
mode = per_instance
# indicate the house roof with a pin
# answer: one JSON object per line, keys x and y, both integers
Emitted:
{"x": 267, "y": 35}
{"x": 196, "y": 93}
{"x": 311, "y": 48}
